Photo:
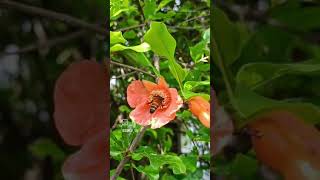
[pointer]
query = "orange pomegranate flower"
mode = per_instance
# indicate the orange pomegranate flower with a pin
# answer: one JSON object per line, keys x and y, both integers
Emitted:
{"x": 287, "y": 144}
{"x": 201, "y": 109}
{"x": 81, "y": 118}
{"x": 154, "y": 104}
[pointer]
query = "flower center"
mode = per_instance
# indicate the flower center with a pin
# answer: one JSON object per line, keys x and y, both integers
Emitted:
{"x": 159, "y": 99}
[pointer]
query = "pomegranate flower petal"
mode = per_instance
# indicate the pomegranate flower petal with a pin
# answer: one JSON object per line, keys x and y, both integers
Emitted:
{"x": 149, "y": 85}
{"x": 136, "y": 93}
{"x": 90, "y": 162}
{"x": 141, "y": 114}
{"x": 80, "y": 99}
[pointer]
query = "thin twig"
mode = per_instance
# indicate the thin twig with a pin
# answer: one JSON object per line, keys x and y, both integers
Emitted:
{"x": 131, "y": 27}
{"x": 125, "y": 75}
{"x": 194, "y": 18}
{"x": 49, "y": 43}
{"x": 132, "y": 173}
{"x": 53, "y": 15}
{"x": 132, "y": 147}
{"x": 187, "y": 28}
{"x": 119, "y": 118}
{"x": 140, "y": 10}
{"x": 132, "y": 68}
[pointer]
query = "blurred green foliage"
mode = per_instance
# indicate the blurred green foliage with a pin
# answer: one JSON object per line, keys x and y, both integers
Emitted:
{"x": 268, "y": 54}
{"x": 30, "y": 147}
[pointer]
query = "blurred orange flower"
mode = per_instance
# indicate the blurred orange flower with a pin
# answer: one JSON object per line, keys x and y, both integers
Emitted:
{"x": 287, "y": 144}
{"x": 154, "y": 104}
{"x": 201, "y": 109}
{"x": 81, "y": 117}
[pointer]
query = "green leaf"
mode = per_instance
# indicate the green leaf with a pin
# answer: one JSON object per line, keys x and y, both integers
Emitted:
{"x": 116, "y": 37}
{"x": 206, "y": 35}
{"x": 130, "y": 34}
{"x": 117, "y": 146}
{"x": 140, "y": 59}
{"x": 160, "y": 40}
{"x": 189, "y": 94}
{"x": 229, "y": 37}
{"x": 177, "y": 71}
{"x": 198, "y": 50}
{"x": 158, "y": 160}
{"x": 112, "y": 172}
{"x": 46, "y": 147}
{"x": 144, "y": 47}
{"x": 149, "y": 8}
{"x": 244, "y": 167}
{"x": 254, "y": 75}
{"x": 291, "y": 13}
{"x": 168, "y": 177}
{"x": 151, "y": 172}
{"x": 117, "y": 7}
{"x": 190, "y": 162}
{"x": 268, "y": 44}
{"x": 190, "y": 85}
{"x": 163, "y": 44}
{"x": 163, "y": 3}
{"x": 124, "y": 108}
{"x": 249, "y": 104}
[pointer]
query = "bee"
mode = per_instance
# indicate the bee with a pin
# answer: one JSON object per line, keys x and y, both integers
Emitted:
{"x": 156, "y": 102}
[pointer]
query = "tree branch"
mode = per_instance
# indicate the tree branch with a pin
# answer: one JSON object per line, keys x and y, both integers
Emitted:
{"x": 53, "y": 15}
{"x": 50, "y": 43}
{"x": 131, "y": 67}
{"x": 132, "y": 147}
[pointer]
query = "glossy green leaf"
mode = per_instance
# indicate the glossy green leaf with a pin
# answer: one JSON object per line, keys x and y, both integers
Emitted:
{"x": 163, "y": 44}
{"x": 116, "y": 37}
{"x": 149, "y": 8}
{"x": 254, "y": 75}
{"x": 158, "y": 160}
{"x": 190, "y": 162}
{"x": 177, "y": 71}
{"x": 117, "y": 7}
{"x": 249, "y": 104}
{"x": 160, "y": 40}
{"x": 189, "y": 94}
{"x": 144, "y": 47}
{"x": 229, "y": 37}
{"x": 189, "y": 85}
{"x": 151, "y": 172}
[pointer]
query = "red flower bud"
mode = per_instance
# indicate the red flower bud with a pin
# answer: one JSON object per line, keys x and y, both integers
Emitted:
{"x": 201, "y": 109}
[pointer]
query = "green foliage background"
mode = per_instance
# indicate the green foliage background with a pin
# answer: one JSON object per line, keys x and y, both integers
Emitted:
{"x": 168, "y": 38}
